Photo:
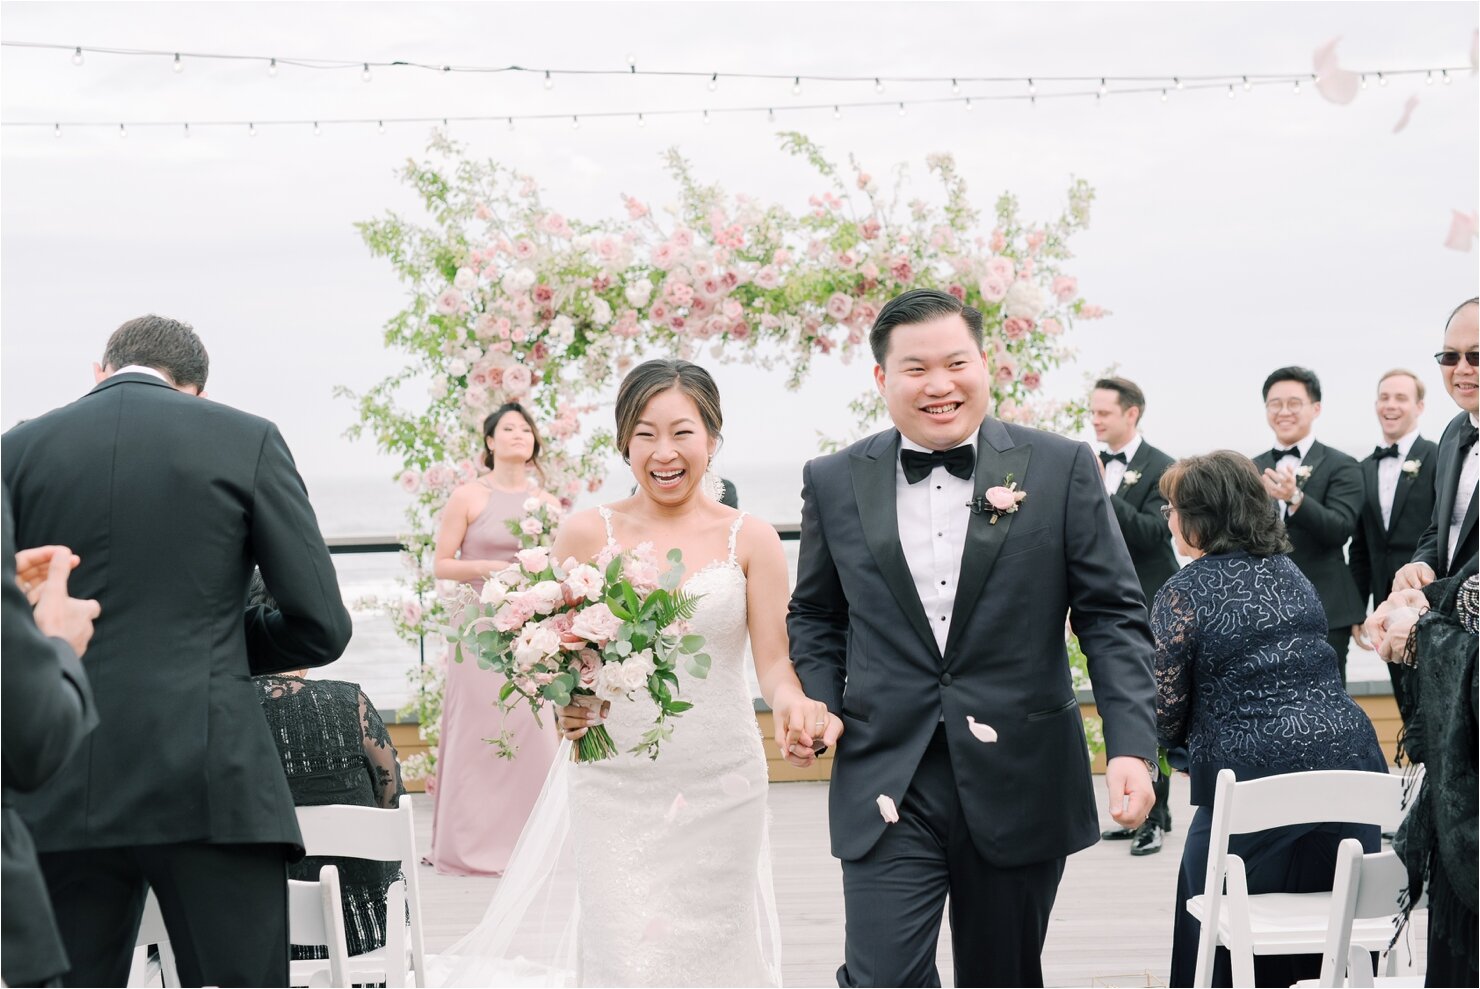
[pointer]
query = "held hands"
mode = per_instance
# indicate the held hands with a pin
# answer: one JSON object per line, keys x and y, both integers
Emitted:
{"x": 1359, "y": 636}
{"x": 1400, "y": 622}
{"x": 57, "y": 613}
{"x": 1413, "y": 576}
{"x": 1131, "y": 796}
{"x": 802, "y": 725}
{"x": 1378, "y": 626}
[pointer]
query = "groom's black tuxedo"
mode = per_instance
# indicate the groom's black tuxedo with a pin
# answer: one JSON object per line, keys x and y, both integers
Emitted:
{"x": 170, "y": 500}
{"x": 862, "y": 644}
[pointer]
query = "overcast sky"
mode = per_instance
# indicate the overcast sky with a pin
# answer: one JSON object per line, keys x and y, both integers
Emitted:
{"x": 1229, "y": 236}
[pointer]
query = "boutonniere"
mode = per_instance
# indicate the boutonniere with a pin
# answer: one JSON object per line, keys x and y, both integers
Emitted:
{"x": 1410, "y": 467}
{"x": 1302, "y": 474}
{"x": 1001, "y": 500}
{"x": 1130, "y": 477}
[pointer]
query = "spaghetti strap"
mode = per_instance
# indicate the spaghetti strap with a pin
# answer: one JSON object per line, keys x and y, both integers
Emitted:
{"x": 611, "y": 539}
{"x": 734, "y": 532}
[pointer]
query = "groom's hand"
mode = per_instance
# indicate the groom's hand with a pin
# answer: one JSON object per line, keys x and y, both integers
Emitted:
{"x": 1131, "y": 797}
{"x": 803, "y": 727}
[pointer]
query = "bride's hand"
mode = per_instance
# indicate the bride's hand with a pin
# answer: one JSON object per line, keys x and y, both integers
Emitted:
{"x": 801, "y": 724}
{"x": 583, "y": 711}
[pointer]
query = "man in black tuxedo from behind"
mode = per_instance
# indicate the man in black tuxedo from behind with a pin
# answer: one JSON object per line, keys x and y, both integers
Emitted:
{"x": 1132, "y": 473}
{"x": 169, "y": 500}
{"x": 1319, "y": 494}
{"x": 48, "y": 710}
{"x": 1449, "y": 541}
{"x": 1398, "y": 481}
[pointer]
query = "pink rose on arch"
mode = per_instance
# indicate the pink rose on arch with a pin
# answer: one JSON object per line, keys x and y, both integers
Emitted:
{"x": 555, "y": 224}
{"x": 782, "y": 256}
{"x": 992, "y": 290}
{"x": 659, "y": 312}
{"x": 410, "y": 612}
{"x": 864, "y": 314}
{"x": 869, "y": 270}
{"x": 957, "y": 291}
{"x": 739, "y": 330}
{"x": 869, "y": 229}
{"x": 449, "y": 302}
{"x": 683, "y": 237}
{"x": 731, "y": 237}
{"x": 482, "y": 212}
{"x": 410, "y": 481}
{"x": 1006, "y": 370}
{"x": 1051, "y": 327}
{"x": 998, "y": 241}
{"x": 1089, "y": 311}
{"x": 1016, "y": 327}
{"x": 534, "y": 559}
{"x": 466, "y": 471}
{"x": 596, "y": 623}
{"x": 678, "y": 323}
{"x": 1026, "y": 269}
{"x": 1000, "y": 268}
{"x": 1064, "y": 287}
{"x": 635, "y": 209}
{"x": 846, "y": 259}
{"x": 543, "y": 294}
{"x": 539, "y": 352}
{"x": 608, "y": 249}
{"x": 523, "y": 249}
{"x": 438, "y": 476}
{"x": 767, "y": 278}
{"x": 864, "y": 179}
{"x": 1031, "y": 380}
{"x": 680, "y": 294}
{"x": 663, "y": 257}
{"x": 519, "y": 335}
{"x": 839, "y": 306}
{"x": 1035, "y": 240}
{"x": 517, "y": 380}
{"x": 901, "y": 270}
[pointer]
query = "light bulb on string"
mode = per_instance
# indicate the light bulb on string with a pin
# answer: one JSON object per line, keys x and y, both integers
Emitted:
{"x": 878, "y": 85}
{"x": 1102, "y": 90}
{"x": 1381, "y": 79}
{"x": 1032, "y": 89}
{"x": 380, "y": 126}
{"x": 968, "y": 104}
{"x": 511, "y": 123}
{"x": 178, "y": 65}
{"x": 1177, "y": 83}
{"x": 549, "y": 82}
{"x": 365, "y": 72}
{"x": 1444, "y": 74}
{"x": 77, "y": 56}
{"x": 251, "y": 130}
{"x": 122, "y": 131}
{"x": 632, "y": 62}
{"x": 315, "y": 128}
{"x": 714, "y": 82}
{"x": 901, "y": 109}
{"x": 796, "y": 86}
{"x": 770, "y": 115}
{"x": 1428, "y": 79}
{"x": 706, "y": 118}
{"x": 1230, "y": 90}
{"x": 1362, "y": 80}
{"x": 837, "y": 114}
{"x": 575, "y": 123}
{"x": 955, "y": 87}
{"x": 1247, "y": 85}
{"x": 187, "y": 130}
{"x": 640, "y": 121}
{"x": 1297, "y": 87}
{"x": 56, "y": 130}
{"x": 1163, "y": 95}
{"x": 272, "y": 67}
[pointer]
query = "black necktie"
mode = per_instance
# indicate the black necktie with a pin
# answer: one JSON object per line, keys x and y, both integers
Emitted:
{"x": 1277, "y": 453}
{"x": 1383, "y": 452}
{"x": 1468, "y": 434}
{"x": 1106, "y": 456}
{"x": 917, "y": 465}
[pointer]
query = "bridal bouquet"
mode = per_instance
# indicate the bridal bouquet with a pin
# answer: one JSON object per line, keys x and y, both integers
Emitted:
{"x": 558, "y": 631}
{"x": 536, "y": 527}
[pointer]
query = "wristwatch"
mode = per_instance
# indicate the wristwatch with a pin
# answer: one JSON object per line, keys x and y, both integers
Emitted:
{"x": 1297, "y": 498}
{"x": 1153, "y": 768}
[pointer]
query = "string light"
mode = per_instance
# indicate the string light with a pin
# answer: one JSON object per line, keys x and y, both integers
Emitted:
{"x": 1163, "y": 95}
{"x": 380, "y": 126}
{"x": 1381, "y": 79}
{"x": 968, "y": 104}
{"x": 1102, "y": 86}
{"x": 122, "y": 131}
{"x": 575, "y": 123}
{"x": 272, "y": 67}
{"x": 1230, "y": 90}
{"x": 770, "y": 116}
{"x": 901, "y": 109}
{"x": 641, "y": 122}
{"x": 796, "y": 86}
{"x": 1177, "y": 82}
{"x": 365, "y": 72}
{"x": 1444, "y": 73}
{"x": 955, "y": 87}
{"x": 549, "y": 83}
{"x": 251, "y": 130}
{"x": 1428, "y": 79}
{"x": 714, "y": 82}
{"x": 1247, "y": 85}
{"x": 837, "y": 114}
{"x": 187, "y": 130}
{"x": 1363, "y": 80}
{"x": 1032, "y": 89}
{"x": 1297, "y": 87}
{"x": 511, "y": 123}
{"x": 178, "y": 65}
{"x": 632, "y": 62}
{"x": 77, "y": 56}
{"x": 56, "y": 130}
{"x": 878, "y": 85}
{"x": 706, "y": 118}
{"x": 316, "y": 128}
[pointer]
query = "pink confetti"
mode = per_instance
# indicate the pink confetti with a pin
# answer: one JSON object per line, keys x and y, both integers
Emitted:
{"x": 675, "y": 808}
{"x": 734, "y": 785}
{"x": 1408, "y": 108}
{"x": 656, "y": 929}
{"x": 1335, "y": 84}
{"x": 983, "y": 733}
{"x": 1462, "y": 230}
{"x": 887, "y": 810}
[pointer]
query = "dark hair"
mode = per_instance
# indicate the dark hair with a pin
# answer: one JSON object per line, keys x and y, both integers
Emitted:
{"x": 491, "y": 423}
{"x": 1304, "y": 375}
{"x": 1128, "y": 394}
{"x": 654, "y": 377}
{"x": 919, "y": 305}
{"x": 257, "y": 592}
{"x": 1468, "y": 302}
{"x": 164, "y": 344}
{"x": 1222, "y": 506}
{"x": 1401, "y": 372}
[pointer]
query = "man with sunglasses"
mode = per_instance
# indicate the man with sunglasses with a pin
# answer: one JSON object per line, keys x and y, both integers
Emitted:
{"x": 1319, "y": 493}
{"x": 1449, "y": 542}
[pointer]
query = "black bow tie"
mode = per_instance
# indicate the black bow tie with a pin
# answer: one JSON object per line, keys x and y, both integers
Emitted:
{"x": 1106, "y": 456}
{"x": 1383, "y": 452}
{"x": 917, "y": 465}
{"x": 1468, "y": 434}
{"x": 1277, "y": 453}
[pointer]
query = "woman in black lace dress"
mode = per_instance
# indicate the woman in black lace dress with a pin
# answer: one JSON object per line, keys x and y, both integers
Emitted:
{"x": 1247, "y": 681}
{"x": 335, "y": 750}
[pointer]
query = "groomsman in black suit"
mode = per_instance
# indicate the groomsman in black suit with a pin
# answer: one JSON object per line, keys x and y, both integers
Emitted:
{"x": 169, "y": 499}
{"x": 1398, "y": 478}
{"x": 1320, "y": 495}
{"x": 1449, "y": 541}
{"x": 1132, "y": 473}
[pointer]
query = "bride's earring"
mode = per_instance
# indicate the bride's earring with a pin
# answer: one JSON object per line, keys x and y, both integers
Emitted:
{"x": 715, "y": 482}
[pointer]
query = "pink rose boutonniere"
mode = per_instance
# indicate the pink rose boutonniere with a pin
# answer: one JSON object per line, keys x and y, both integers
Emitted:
{"x": 1003, "y": 499}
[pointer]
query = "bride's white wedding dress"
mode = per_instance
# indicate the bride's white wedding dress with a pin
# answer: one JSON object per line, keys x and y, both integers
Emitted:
{"x": 641, "y": 872}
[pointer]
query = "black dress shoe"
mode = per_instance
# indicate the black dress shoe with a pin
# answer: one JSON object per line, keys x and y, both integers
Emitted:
{"x": 1148, "y": 839}
{"x": 1119, "y": 834}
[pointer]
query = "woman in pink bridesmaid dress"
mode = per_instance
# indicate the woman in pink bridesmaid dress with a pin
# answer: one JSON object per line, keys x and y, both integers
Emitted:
{"x": 481, "y": 799}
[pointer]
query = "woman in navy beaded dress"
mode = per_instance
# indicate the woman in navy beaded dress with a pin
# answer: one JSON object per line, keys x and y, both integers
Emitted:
{"x": 1247, "y": 681}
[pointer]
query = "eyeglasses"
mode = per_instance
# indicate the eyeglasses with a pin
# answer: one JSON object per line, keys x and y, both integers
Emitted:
{"x": 1292, "y": 404}
{"x": 1167, "y": 510}
{"x": 1449, "y": 358}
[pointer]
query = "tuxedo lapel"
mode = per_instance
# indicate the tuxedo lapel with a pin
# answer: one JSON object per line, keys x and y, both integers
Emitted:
{"x": 1372, "y": 495}
{"x": 1447, "y": 479}
{"x": 996, "y": 458}
{"x": 1138, "y": 465}
{"x": 1312, "y": 459}
{"x": 1405, "y": 483}
{"x": 874, "y": 477}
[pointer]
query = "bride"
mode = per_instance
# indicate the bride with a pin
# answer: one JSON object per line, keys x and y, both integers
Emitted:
{"x": 639, "y": 872}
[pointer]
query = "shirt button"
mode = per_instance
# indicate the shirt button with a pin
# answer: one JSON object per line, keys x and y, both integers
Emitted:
{"x": 942, "y": 617}
{"x": 942, "y": 583}
{"x": 941, "y": 535}
{"x": 945, "y": 679}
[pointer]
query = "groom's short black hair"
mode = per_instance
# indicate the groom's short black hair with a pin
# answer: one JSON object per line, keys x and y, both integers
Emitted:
{"x": 920, "y": 305}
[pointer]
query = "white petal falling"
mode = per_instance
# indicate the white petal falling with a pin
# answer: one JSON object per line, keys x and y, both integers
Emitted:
{"x": 674, "y": 809}
{"x": 983, "y": 733}
{"x": 887, "y": 810}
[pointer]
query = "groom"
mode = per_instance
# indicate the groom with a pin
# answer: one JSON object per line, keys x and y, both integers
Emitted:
{"x": 936, "y": 630}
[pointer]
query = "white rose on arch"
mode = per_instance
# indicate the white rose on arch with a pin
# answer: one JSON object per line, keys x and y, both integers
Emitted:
{"x": 1023, "y": 300}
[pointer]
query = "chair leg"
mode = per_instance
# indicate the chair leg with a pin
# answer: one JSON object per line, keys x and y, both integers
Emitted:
{"x": 1359, "y": 968}
{"x": 1240, "y": 937}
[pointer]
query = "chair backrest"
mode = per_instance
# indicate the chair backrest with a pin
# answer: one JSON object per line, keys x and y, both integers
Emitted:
{"x": 382, "y": 836}
{"x": 1365, "y": 886}
{"x": 316, "y": 917}
{"x": 1334, "y": 795}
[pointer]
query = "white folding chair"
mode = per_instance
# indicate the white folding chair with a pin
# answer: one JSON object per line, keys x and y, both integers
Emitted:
{"x": 1366, "y": 887}
{"x": 381, "y": 836}
{"x": 142, "y": 971}
{"x": 316, "y": 917}
{"x": 1283, "y": 923}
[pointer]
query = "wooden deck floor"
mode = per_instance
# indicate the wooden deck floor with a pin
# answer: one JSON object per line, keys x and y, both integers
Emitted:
{"x": 1111, "y": 925}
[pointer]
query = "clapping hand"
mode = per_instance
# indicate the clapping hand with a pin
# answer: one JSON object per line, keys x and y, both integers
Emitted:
{"x": 1279, "y": 484}
{"x": 804, "y": 728}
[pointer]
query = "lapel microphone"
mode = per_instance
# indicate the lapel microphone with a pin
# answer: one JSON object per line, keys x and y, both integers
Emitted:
{"x": 978, "y": 505}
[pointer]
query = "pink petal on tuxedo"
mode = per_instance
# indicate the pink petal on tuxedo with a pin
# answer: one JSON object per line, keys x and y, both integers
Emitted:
{"x": 1462, "y": 229}
{"x": 675, "y": 808}
{"x": 983, "y": 733}
{"x": 887, "y": 810}
{"x": 1408, "y": 107}
{"x": 1334, "y": 83}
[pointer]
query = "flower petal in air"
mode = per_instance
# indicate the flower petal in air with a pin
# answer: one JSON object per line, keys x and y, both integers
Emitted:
{"x": 674, "y": 809}
{"x": 887, "y": 810}
{"x": 983, "y": 733}
{"x": 1462, "y": 229}
{"x": 1408, "y": 107}
{"x": 1335, "y": 84}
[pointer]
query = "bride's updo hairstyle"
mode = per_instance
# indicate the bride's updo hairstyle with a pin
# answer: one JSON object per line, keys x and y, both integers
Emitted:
{"x": 652, "y": 378}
